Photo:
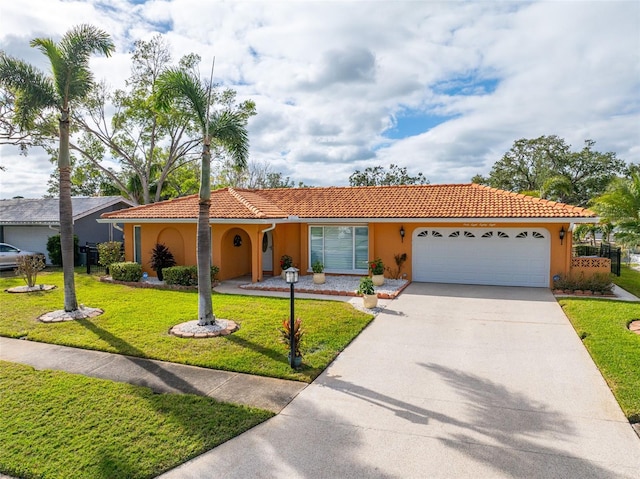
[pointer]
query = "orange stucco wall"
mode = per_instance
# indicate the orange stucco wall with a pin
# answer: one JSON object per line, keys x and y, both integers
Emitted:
{"x": 587, "y": 266}
{"x": 293, "y": 239}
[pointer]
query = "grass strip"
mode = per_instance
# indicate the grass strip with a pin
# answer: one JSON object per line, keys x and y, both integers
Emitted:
{"x": 61, "y": 425}
{"x": 602, "y": 325}
{"x": 629, "y": 280}
{"x": 137, "y": 321}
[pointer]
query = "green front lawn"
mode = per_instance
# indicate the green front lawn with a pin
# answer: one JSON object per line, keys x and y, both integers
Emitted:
{"x": 136, "y": 322}
{"x": 629, "y": 280}
{"x": 616, "y": 351}
{"x": 61, "y": 425}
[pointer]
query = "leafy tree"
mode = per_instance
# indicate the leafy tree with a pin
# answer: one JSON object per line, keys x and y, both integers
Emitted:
{"x": 34, "y": 92}
{"x": 149, "y": 144}
{"x": 547, "y": 165}
{"x": 86, "y": 180}
{"x": 222, "y": 130}
{"x": 620, "y": 206}
{"x": 378, "y": 176}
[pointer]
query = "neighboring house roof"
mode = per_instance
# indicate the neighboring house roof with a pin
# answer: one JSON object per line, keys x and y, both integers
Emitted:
{"x": 420, "y": 202}
{"x": 45, "y": 211}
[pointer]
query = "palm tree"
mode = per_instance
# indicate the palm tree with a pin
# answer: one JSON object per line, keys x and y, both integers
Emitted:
{"x": 226, "y": 129}
{"x": 620, "y": 205}
{"x": 35, "y": 92}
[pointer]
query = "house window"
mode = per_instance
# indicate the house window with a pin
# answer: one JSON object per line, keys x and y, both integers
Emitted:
{"x": 137, "y": 244}
{"x": 340, "y": 248}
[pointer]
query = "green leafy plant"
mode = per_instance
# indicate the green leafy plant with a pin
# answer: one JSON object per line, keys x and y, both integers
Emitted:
{"x": 55, "y": 249}
{"x": 298, "y": 332}
{"x": 376, "y": 266}
{"x": 286, "y": 261}
{"x": 186, "y": 275}
{"x": 109, "y": 253}
{"x": 317, "y": 266}
{"x": 29, "y": 266}
{"x": 366, "y": 286}
{"x": 127, "y": 271}
{"x": 161, "y": 258}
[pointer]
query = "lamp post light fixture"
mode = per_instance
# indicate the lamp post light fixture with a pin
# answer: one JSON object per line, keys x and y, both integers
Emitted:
{"x": 402, "y": 233}
{"x": 562, "y": 233}
{"x": 291, "y": 277}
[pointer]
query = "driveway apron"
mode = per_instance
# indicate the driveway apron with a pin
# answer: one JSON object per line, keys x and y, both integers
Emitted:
{"x": 449, "y": 381}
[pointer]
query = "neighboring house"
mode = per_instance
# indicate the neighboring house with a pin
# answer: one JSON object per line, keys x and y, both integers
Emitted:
{"x": 28, "y": 223}
{"x": 463, "y": 233}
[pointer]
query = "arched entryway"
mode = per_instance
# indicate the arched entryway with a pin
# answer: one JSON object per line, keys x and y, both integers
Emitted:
{"x": 173, "y": 240}
{"x": 236, "y": 254}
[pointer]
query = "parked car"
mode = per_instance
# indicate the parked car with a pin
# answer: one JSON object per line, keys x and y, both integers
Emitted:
{"x": 9, "y": 255}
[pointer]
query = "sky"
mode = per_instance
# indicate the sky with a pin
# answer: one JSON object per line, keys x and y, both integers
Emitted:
{"x": 441, "y": 88}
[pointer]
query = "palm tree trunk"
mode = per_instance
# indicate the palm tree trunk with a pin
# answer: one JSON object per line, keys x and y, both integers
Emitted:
{"x": 66, "y": 216}
{"x": 205, "y": 304}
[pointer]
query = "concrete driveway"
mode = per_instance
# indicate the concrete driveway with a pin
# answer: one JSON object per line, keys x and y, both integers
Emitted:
{"x": 450, "y": 381}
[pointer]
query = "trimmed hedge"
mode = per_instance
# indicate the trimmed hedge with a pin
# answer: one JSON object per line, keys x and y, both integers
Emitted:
{"x": 598, "y": 282}
{"x": 109, "y": 253}
{"x": 185, "y": 275}
{"x": 127, "y": 271}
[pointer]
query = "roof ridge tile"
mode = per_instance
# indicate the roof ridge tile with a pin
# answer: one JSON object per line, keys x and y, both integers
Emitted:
{"x": 254, "y": 209}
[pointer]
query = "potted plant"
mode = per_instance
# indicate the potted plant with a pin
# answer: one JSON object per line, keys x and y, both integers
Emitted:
{"x": 367, "y": 290}
{"x": 286, "y": 262}
{"x": 161, "y": 257}
{"x": 298, "y": 332}
{"x": 377, "y": 271}
{"x": 318, "y": 272}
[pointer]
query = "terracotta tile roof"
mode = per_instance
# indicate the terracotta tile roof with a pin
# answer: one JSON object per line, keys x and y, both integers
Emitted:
{"x": 414, "y": 201}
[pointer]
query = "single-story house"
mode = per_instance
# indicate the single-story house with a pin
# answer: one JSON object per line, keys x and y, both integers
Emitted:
{"x": 28, "y": 223}
{"x": 459, "y": 233}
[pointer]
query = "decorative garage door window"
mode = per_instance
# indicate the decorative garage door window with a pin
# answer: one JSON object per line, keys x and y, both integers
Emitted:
{"x": 340, "y": 248}
{"x": 494, "y": 256}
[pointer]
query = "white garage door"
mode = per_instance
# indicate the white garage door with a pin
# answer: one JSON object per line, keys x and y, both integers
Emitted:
{"x": 494, "y": 256}
{"x": 29, "y": 238}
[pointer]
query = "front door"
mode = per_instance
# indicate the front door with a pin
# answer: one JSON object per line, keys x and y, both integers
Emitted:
{"x": 267, "y": 252}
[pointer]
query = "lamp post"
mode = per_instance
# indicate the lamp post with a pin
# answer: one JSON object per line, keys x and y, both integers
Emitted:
{"x": 291, "y": 277}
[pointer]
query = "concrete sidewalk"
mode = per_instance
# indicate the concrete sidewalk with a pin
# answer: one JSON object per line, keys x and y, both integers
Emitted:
{"x": 256, "y": 391}
{"x": 450, "y": 381}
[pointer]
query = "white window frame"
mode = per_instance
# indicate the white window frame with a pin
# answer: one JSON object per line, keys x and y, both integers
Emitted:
{"x": 353, "y": 227}
{"x": 137, "y": 248}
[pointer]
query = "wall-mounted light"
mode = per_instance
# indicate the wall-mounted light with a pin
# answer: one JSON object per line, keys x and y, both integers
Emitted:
{"x": 562, "y": 233}
{"x": 237, "y": 241}
{"x": 402, "y": 233}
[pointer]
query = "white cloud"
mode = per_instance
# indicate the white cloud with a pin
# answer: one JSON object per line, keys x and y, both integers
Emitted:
{"x": 329, "y": 78}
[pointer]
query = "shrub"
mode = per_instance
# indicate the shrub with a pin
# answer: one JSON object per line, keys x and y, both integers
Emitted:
{"x": 55, "y": 250}
{"x": 127, "y": 271}
{"x": 597, "y": 282}
{"x": 186, "y": 275}
{"x": 28, "y": 267}
{"x": 161, "y": 258}
{"x": 600, "y": 282}
{"x": 109, "y": 253}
